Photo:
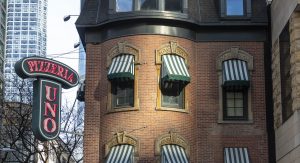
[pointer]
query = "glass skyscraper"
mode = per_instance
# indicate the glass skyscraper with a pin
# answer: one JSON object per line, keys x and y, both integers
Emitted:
{"x": 26, "y": 36}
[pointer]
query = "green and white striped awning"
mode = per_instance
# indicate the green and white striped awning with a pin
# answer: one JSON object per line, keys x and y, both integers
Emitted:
{"x": 235, "y": 73}
{"x": 174, "y": 69}
{"x": 236, "y": 155}
{"x": 122, "y": 67}
{"x": 120, "y": 154}
{"x": 173, "y": 154}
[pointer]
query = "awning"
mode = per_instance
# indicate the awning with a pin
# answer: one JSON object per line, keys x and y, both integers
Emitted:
{"x": 235, "y": 73}
{"x": 120, "y": 154}
{"x": 173, "y": 154}
{"x": 174, "y": 69}
{"x": 122, "y": 67}
{"x": 236, "y": 155}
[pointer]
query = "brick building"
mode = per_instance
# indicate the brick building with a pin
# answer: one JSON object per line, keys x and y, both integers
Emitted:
{"x": 175, "y": 81}
{"x": 285, "y": 76}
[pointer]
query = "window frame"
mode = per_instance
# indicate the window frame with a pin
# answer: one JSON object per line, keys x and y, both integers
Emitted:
{"x": 245, "y": 102}
{"x": 119, "y": 49}
{"x": 114, "y": 88}
{"x": 170, "y": 48}
{"x": 180, "y": 98}
{"x": 234, "y": 53}
{"x": 285, "y": 75}
{"x": 247, "y": 8}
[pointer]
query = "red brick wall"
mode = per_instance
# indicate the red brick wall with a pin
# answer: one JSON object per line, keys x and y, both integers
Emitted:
{"x": 199, "y": 127}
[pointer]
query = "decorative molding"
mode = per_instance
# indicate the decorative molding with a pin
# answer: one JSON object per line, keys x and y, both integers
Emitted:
{"x": 235, "y": 53}
{"x": 122, "y": 138}
{"x": 123, "y": 48}
{"x": 170, "y": 48}
{"x": 171, "y": 138}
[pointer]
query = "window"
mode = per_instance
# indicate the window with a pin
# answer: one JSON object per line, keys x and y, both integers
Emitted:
{"x": 173, "y": 5}
{"x": 124, "y": 5}
{"x": 122, "y": 93}
{"x": 121, "y": 74}
{"x": 148, "y": 4}
{"x": 123, "y": 148}
{"x": 235, "y": 8}
{"x": 173, "y": 78}
{"x": 160, "y": 5}
{"x": 234, "y": 72}
{"x": 235, "y": 107}
{"x": 174, "y": 150}
{"x": 173, "y": 97}
{"x": 235, "y": 86}
{"x": 285, "y": 68}
{"x": 122, "y": 64}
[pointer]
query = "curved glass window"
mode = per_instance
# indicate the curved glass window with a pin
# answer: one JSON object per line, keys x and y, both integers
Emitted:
{"x": 235, "y": 7}
{"x": 124, "y": 5}
{"x": 161, "y": 5}
{"x": 148, "y": 4}
{"x": 173, "y": 5}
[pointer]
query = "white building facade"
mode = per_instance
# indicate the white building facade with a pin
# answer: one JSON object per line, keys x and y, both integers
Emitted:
{"x": 26, "y": 36}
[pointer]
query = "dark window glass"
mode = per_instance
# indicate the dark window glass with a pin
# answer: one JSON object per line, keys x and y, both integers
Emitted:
{"x": 235, "y": 104}
{"x": 235, "y": 7}
{"x": 173, "y": 96}
{"x": 285, "y": 68}
{"x": 173, "y": 5}
{"x": 124, "y": 5}
{"x": 148, "y": 4}
{"x": 122, "y": 92}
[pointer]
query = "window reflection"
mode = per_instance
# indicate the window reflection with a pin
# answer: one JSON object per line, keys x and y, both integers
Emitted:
{"x": 148, "y": 4}
{"x": 173, "y": 5}
{"x": 124, "y": 5}
{"x": 235, "y": 7}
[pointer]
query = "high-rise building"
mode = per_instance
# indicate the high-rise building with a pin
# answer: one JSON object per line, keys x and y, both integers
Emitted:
{"x": 26, "y": 36}
{"x": 3, "y": 5}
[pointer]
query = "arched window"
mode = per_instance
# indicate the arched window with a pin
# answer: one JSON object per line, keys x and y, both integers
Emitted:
{"x": 172, "y": 148}
{"x": 122, "y": 148}
{"x": 172, "y": 70}
{"x": 122, "y": 62}
{"x": 234, "y": 69}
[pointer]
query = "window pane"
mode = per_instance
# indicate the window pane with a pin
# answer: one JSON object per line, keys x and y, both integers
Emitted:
{"x": 230, "y": 102}
{"x": 230, "y": 94}
{"x": 239, "y": 103}
{"x": 173, "y": 97}
{"x": 239, "y": 112}
{"x": 122, "y": 94}
{"x": 230, "y": 112}
{"x": 124, "y": 5}
{"x": 148, "y": 4}
{"x": 235, "y": 7}
{"x": 173, "y": 5}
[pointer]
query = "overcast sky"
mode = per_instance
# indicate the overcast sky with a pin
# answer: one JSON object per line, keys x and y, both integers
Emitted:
{"x": 61, "y": 35}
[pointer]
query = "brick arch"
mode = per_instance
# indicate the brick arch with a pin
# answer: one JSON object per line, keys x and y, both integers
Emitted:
{"x": 122, "y": 138}
{"x": 123, "y": 48}
{"x": 171, "y": 138}
{"x": 235, "y": 53}
{"x": 170, "y": 48}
